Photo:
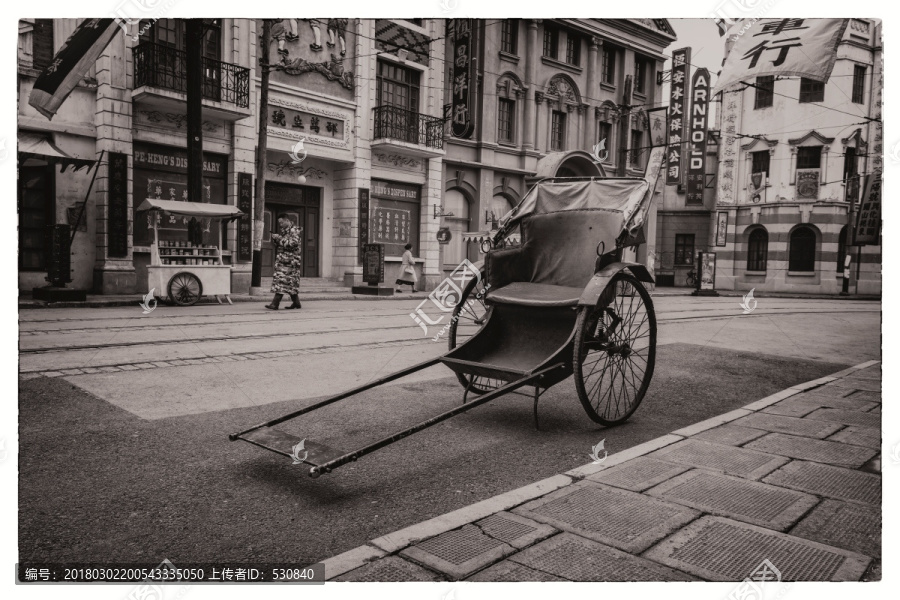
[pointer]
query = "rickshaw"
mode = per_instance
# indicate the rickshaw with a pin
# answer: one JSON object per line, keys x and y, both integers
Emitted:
{"x": 561, "y": 303}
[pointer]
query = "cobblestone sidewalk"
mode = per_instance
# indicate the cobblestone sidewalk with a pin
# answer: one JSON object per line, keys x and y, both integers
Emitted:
{"x": 793, "y": 479}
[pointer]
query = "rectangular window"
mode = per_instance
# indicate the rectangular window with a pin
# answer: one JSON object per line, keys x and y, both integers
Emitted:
{"x": 859, "y": 84}
{"x": 684, "y": 249}
{"x": 811, "y": 91}
{"x": 760, "y": 162}
{"x": 849, "y": 163}
{"x": 765, "y": 91}
{"x": 551, "y": 41}
{"x": 558, "y": 130}
{"x": 42, "y": 43}
{"x": 397, "y": 86}
{"x": 639, "y": 75}
{"x": 809, "y": 157}
{"x": 573, "y": 49}
{"x": 505, "y": 118}
{"x": 608, "y": 68}
{"x": 636, "y": 153}
{"x": 509, "y": 30}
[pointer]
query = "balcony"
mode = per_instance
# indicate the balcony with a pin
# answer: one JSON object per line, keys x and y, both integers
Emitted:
{"x": 160, "y": 80}
{"x": 405, "y": 130}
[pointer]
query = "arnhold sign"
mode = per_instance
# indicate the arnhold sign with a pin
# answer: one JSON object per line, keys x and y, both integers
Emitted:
{"x": 677, "y": 117}
{"x": 699, "y": 126}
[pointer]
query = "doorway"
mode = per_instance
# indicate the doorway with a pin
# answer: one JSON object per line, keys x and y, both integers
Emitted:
{"x": 302, "y": 206}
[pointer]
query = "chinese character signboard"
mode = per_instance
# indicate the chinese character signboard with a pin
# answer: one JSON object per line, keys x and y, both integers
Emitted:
{"x": 707, "y": 270}
{"x": 721, "y": 228}
{"x": 794, "y": 47}
{"x": 868, "y": 217}
{"x": 394, "y": 216}
{"x": 677, "y": 116}
{"x": 373, "y": 263}
{"x": 463, "y": 103}
{"x": 363, "y": 220}
{"x": 245, "y": 223}
{"x": 808, "y": 183}
{"x": 117, "y": 226}
{"x": 696, "y": 167}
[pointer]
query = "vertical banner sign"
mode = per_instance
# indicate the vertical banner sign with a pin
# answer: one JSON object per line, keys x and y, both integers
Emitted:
{"x": 868, "y": 217}
{"x": 373, "y": 263}
{"x": 245, "y": 223}
{"x": 696, "y": 175}
{"x": 363, "y": 221}
{"x": 117, "y": 206}
{"x": 463, "y": 76}
{"x": 677, "y": 116}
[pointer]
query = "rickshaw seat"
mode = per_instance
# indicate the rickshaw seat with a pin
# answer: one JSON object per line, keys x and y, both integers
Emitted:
{"x": 556, "y": 260}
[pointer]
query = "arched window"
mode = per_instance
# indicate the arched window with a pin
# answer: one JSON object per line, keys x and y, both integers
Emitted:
{"x": 842, "y": 249}
{"x": 803, "y": 250}
{"x": 758, "y": 250}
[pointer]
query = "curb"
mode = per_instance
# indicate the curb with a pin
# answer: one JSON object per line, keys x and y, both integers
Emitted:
{"x": 392, "y": 543}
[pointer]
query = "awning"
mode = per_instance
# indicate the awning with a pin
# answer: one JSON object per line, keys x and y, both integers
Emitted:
{"x": 35, "y": 145}
{"x": 480, "y": 236}
{"x": 192, "y": 209}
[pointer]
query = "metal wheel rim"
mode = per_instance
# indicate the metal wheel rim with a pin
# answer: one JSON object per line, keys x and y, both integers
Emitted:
{"x": 185, "y": 289}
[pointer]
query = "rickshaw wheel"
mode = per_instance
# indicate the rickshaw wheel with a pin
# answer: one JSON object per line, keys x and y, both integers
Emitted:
{"x": 468, "y": 318}
{"x": 185, "y": 289}
{"x": 615, "y": 351}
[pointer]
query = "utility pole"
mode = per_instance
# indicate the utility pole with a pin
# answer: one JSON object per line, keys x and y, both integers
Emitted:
{"x": 624, "y": 127}
{"x": 194, "y": 65}
{"x": 265, "y": 40}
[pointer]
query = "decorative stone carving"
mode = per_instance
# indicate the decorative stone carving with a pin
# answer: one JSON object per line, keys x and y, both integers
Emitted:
{"x": 179, "y": 120}
{"x": 398, "y": 160}
{"x": 333, "y": 70}
{"x": 293, "y": 169}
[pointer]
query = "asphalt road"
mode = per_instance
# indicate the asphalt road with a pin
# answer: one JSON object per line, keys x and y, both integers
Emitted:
{"x": 136, "y": 465}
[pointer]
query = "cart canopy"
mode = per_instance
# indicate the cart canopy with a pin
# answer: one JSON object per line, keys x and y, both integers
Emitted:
{"x": 192, "y": 209}
{"x": 627, "y": 199}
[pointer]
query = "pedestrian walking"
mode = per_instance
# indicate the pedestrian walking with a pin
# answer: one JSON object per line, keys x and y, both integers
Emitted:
{"x": 288, "y": 256}
{"x": 407, "y": 275}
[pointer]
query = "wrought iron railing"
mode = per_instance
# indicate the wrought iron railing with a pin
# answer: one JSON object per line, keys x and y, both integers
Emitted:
{"x": 393, "y": 122}
{"x": 165, "y": 67}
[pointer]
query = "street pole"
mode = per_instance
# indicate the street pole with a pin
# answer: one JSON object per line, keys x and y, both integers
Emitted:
{"x": 194, "y": 64}
{"x": 262, "y": 139}
{"x": 624, "y": 126}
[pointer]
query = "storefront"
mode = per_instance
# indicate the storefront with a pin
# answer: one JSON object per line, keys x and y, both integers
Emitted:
{"x": 302, "y": 206}
{"x": 394, "y": 217}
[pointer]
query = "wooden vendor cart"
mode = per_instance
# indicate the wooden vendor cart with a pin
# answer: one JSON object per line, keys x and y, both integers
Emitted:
{"x": 185, "y": 270}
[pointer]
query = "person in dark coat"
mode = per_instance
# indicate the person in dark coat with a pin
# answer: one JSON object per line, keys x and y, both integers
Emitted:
{"x": 287, "y": 246}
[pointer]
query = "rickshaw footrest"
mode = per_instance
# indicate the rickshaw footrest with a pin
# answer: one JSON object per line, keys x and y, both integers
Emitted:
{"x": 276, "y": 440}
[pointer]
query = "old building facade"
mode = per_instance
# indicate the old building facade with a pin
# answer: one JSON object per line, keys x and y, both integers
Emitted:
{"x": 789, "y": 152}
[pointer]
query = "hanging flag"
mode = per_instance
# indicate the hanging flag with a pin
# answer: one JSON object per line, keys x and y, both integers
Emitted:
{"x": 73, "y": 60}
{"x": 793, "y": 47}
{"x": 757, "y": 188}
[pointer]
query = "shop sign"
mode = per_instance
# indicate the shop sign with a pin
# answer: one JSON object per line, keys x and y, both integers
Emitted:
{"x": 363, "y": 220}
{"x": 463, "y": 66}
{"x": 677, "y": 117}
{"x": 868, "y": 217}
{"x": 117, "y": 226}
{"x": 245, "y": 223}
{"x": 444, "y": 236}
{"x": 696, "y": 175}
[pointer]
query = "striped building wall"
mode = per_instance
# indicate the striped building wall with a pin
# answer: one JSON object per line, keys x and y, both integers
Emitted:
{"x": 825, "y": 219}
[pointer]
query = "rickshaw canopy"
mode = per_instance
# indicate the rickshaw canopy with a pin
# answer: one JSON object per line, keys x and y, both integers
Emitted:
{"x": 192, "y": 209}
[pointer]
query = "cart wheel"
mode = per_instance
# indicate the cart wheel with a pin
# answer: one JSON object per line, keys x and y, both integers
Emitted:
{"x": 615, "y": 350}
{"x": 468, "y": 318}
{"x": 185, "y": 289}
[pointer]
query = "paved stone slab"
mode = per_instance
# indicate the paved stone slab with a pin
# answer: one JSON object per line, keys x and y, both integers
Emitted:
{"x": 625, "y": 455}
{"x": 868, "y": 437}
{"x": 391, "y": 568}
{"x": 862, "y": 395}
{"x": 458, "y": 553}
{"x": 791, "y": 425}
{"x": 876, "y": 409}
{"x": 825, "y": 480}
{"x": 831, "y": 390}
{"x": 834, "y": 453}
{"x": 749, "y": 501}
{"x": 349, "y": 560}
{"x": 712, "y": 422}
{"x": 844, "y": 525}
{"x": 730, "y": 435}
{"x": 577, "y": 559}
{"x": 511, "y": 571}
{"x": 619, "y": 518}
{"x": 847, "y": 417}
{"x": 718, "y": 457}
{"x": 515, "y": 530}
{"x": 639, "y": 474}
{"x": 859, "y": 383}
{"x": 802, "y": 406}
{"x": 720, "y": 549}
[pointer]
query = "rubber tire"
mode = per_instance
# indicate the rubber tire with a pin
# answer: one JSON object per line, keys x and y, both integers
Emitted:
{"x": 582, "y": 327}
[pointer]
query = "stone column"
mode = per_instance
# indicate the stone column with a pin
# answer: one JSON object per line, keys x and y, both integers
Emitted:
{"x": 529, "y": 133}
{"x": 113, "y": 275}
{"x": 243, "y": 42}
{"x": 590, "y": 125}
{"x": 540, "y": 129}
